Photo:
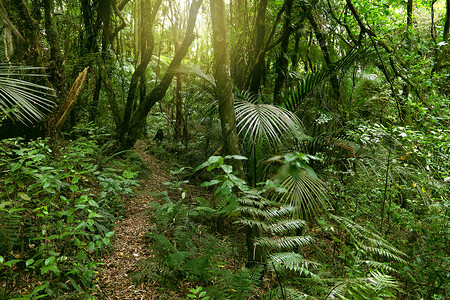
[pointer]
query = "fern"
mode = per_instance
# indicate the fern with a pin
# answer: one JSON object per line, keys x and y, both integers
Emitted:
{"x": 151, "y": 269}
{"x": 377, "y": 265}
{"x": 293, "y": 262}
{"x": 370, "y": 241}
{"x": 243, "y": 283}
{"x": 376, "y": 286}
{"x": 285, "y": 242}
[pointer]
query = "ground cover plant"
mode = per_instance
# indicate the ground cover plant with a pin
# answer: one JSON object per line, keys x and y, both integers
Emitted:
{"x": 59, "y": 203}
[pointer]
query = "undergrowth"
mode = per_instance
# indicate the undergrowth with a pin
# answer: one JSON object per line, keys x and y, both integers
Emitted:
{"x": 58, "y": 206}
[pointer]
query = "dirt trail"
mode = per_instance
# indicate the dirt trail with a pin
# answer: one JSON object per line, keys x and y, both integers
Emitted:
{"x": 130, "y": 243}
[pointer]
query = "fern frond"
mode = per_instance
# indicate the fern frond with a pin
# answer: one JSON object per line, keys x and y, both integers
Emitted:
{"x": 254, "y": 223}
{"x": 370, "y": 241}
{"x": 293, "y": 262}
{"x": 378, "y": 265}
{"x": 380, "y": 242}
{"x": 285, "y": 226}
{"x": 162, "y": 242}
{"x": 295, "y": 294}
{"x": 380, "y": 280}
{"x": 278, "y": 243}
{"x": 256, "y": 202}
{"x": 281, "y": 211}
{"x": 376, "y": 285}
{"x": 382, "y": 252}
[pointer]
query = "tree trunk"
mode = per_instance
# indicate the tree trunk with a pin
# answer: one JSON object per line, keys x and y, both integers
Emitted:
{"x": 178, "y": 98}
{"x": 226, "y": 109}
{"x": 406, "y": 88}
{"x": 327, "y": 57}
{"x": 259, "y": 65}
{"x": 138, "y": 118}
{"x": 447, "y": 23}
{"x": 145, "y": 51}
{"x": 55, "y": 65}
{"x": 26, "y": 29}
{"x": 282, "y": 61}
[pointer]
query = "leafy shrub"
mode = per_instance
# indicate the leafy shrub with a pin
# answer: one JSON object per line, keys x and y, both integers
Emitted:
{"x": 57, "y": 211}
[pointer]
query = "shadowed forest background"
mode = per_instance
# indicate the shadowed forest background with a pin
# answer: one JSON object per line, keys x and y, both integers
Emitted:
{"x": 306, "y": 143}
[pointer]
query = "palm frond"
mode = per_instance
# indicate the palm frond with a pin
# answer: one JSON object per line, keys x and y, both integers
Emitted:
{"x": 20, "y": 99}
{"x": 263, "y": 122}
{"x": 307, "y": 195}
{"x": 313, "y": 79}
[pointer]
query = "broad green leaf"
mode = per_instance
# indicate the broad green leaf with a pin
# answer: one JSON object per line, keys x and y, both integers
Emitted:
{"x": 24, "y": 196}
{"x": 9, "y": 263}
{"x": 227, "y": 168}
{"x": 295, "y": 171}
{"x": 16, "y": 166}
{"x": 29, "y": 262}
{"x": 210, "y": 183}
{"x": 49, "y": 260}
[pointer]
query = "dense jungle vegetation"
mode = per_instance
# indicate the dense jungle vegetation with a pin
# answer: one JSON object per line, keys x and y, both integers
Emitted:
{"x": 316, "y": 134}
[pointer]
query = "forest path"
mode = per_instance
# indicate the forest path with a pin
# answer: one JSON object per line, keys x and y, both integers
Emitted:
{"x": 130, "y": 242}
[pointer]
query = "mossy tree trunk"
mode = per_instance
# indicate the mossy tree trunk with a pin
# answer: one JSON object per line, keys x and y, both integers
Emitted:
{"x": 226, "y": 109}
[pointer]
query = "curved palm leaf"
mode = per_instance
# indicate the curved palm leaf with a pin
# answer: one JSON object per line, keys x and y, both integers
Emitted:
{"x": 265, "y": 123}
{"x": 307, "y": 194}
{"x": 312, "y": 79}
{"x": 23, "y": 100}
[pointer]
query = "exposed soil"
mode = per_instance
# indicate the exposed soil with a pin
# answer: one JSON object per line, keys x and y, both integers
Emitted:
{"x": 130, "y": 242}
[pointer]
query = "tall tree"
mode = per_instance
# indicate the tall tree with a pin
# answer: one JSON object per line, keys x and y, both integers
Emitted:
{"x": 322, "y": 40}
{"x": 226, "y": 107}
{"x": 224, "y": 83}
{"x": 133, "y": 131}
{"x": 55, "y": 63}
{"x": 282, "y": 61}
{"x": 144, "y": 48}
{"x": 447, "y": 22}
{"x": 255, "y": 79}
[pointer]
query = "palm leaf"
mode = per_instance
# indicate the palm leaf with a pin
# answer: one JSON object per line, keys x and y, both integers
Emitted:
{"x": 20, "y": 99}
{"x": 307, "y": 194}
{"x": 267, "y": 123}
{"x": 311, "y": 80}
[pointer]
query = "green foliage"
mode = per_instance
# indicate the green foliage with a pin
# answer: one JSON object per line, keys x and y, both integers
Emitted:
{"x": 299, "y": 185}
{"x": 182, "y": 249}
{"x": 311, "y": 80}
{"x": 23, "y": 100}
{"x": 56, "y": 214}
{"x": 225, "y": 198}
{"x": 198, "y": 293}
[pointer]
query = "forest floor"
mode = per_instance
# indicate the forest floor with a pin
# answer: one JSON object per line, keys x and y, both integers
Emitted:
{"x": 130, "y": 242}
